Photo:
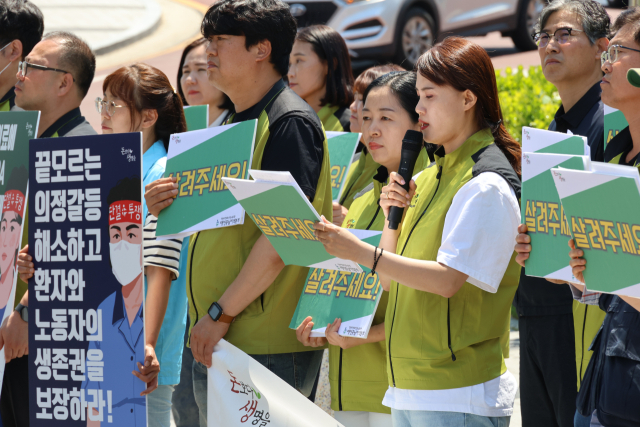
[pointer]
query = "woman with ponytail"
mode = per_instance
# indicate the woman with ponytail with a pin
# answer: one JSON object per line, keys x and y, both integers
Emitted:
{"x": 139, "y": 98}
{"x": 449, "y": 265}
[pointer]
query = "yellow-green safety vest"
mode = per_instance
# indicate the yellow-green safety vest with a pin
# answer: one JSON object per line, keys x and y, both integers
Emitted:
{"x": 217, "y": 256}
{"x": 433, "y": 342}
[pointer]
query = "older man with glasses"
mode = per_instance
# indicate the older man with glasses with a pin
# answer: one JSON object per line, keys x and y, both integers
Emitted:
{"x": 554, "y": 335}
{"x": 53, "y": 78}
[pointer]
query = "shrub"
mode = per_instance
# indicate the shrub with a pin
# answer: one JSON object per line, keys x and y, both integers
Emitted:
{"x": 527, "y": 99}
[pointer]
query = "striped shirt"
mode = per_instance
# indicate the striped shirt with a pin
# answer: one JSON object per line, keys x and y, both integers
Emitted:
{"x": 161, "y": 253}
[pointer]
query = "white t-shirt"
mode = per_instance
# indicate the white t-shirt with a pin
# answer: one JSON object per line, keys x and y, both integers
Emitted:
{"x": 477, "y": 239}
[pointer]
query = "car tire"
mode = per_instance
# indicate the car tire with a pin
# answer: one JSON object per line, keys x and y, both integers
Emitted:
{"x": 416, "y": 34}
{"x": 528, "y": 14}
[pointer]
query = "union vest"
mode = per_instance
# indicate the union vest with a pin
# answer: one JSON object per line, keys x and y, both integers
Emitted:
{"x": 334, "y": 118}
{"x": 358, "y": 375}
{"x": 433, "y": 342}
{"x": 217, "y": 256}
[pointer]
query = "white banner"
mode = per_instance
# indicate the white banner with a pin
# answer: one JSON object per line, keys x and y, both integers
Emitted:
{"x": 242, "y": 392}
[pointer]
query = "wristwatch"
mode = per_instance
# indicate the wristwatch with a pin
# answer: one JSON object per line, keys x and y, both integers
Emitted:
{"x": 23, "y": 311}
{"x": 215, "y": 311}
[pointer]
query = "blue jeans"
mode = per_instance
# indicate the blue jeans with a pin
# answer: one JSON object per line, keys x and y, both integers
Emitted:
{"x": 444, "y": 419}
{"x": 159, "y": 406}
{"x": 299, "y": 370}
{"x": 185, "y": 409}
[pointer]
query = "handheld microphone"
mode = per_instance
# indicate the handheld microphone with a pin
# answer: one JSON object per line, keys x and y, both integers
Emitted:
{"x": 411, "y": 146}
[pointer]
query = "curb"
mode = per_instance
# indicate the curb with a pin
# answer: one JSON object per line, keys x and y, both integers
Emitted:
{"x": 149, "y": 21}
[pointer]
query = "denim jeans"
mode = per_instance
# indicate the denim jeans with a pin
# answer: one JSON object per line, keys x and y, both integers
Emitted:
{"x": 159, "y": 406}
{"x": 299, "y": 370}
{"x": 185, "y": 409}
{"x": 444, "y": 419}
{"x": 582, "y": 421}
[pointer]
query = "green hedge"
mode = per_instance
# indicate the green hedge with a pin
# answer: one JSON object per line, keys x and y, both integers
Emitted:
{"x": 526, "y": 98}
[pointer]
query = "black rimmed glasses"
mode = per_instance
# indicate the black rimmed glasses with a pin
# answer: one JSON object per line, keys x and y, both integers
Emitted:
{"x": 561, "y": 35}
{"x": 611, "y": 54}
{"x": 108, "y": 107}
{"x": 24, "y": 65}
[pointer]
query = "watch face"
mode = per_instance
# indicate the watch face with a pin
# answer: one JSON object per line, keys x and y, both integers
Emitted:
{"x": 215, "y": 311}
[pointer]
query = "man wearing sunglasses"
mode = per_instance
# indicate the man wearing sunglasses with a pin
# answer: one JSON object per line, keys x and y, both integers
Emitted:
{"x": 53, "y": 78}
{"x": 571, "y": 36}
{"x": 21, "y": 27}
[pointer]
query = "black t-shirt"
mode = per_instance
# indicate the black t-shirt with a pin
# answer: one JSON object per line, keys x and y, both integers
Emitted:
{"x": 296, "y": 138}
{"x": 537, "y": 296}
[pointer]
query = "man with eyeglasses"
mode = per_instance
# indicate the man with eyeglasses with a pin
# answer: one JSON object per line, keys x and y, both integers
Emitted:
{"x": 622, "y": 59}
{"x": 571, "y": 36}
{"x": 21, "y": 27}
{"x": 54, "y": 78}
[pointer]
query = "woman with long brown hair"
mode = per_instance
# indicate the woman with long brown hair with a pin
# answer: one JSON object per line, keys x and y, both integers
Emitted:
{"x": 449, "y": 267}
{"x": 140, "y": 98}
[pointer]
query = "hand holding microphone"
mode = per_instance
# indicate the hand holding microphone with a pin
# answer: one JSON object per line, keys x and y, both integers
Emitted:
{"x": 396, "y": 196}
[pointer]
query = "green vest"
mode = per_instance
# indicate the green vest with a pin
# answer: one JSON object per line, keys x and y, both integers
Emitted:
{"x": 217, "y": 256}
{"x": 437, "y": 343}
{"x": 359, "y": 176}
{"x": 334, "y": 118}
{"x": 587, "y": 321}
{"x": 8, "y": 101}
{"x": 358, "y": 375}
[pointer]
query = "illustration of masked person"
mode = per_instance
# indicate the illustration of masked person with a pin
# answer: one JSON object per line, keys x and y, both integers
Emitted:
{"x": 10, "y": 233}
{"x": 122, "y": 344}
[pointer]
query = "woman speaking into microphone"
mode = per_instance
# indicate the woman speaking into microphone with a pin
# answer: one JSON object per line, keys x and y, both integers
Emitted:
{"x": 449, "y": 267}
{"x": 357, "y": 367}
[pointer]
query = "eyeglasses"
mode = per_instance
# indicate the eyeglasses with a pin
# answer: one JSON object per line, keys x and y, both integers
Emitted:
{"x": 561, "y": 35}
{"x": 108, "y": 107}
{"x": 23, "y": 65}
{"x": 611, "y": 54}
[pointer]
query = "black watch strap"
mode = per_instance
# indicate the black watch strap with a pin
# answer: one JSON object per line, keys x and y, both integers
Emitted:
{"x": 23, "y": 311}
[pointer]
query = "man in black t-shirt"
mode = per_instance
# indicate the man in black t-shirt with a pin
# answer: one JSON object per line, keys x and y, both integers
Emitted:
{"x": 248, "y": 54}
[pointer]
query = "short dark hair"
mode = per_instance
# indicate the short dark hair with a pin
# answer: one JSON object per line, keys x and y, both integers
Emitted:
{"x": 593, "y": 16}
{"x": 226, "y": 102}
{"x": 257, "y": 20}
{"x": 76, "y": 57}
{"x": 403, "y": 85}
{"x": 331, "y": 48}
{"x": 126, "y": 189}
{"x": 631, "y": 17}
{"x": 20, "y": 20}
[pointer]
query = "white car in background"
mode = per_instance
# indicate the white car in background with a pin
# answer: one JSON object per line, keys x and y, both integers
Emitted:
{"x": 401, "y": 30}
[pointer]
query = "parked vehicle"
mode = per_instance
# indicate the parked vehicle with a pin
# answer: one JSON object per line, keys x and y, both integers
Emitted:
{"x": 401, "y": 30}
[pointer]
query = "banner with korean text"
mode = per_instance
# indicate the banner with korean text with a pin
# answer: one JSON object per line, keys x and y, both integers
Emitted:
{"x": 242, "y": 392}
{"x": 602, "y": 208}
{"x": 199, "y": 160}
{"x": 330, "y": 294}
{"x": 16, "y": 129}
{"x": 197, "y": 116}
{"x": 342, "y": 147}
{"x": 86, "y": 328}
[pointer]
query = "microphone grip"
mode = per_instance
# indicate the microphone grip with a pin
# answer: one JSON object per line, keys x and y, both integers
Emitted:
{"x": 396, "y": 213}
